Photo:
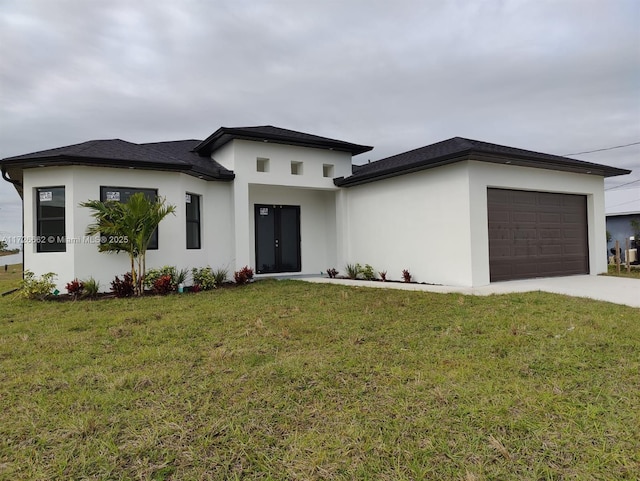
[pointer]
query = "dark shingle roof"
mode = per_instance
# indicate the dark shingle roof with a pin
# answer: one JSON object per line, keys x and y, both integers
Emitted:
{"x": 172, "y": 156}
{"x": 269, "y": 133}
{"x": 192, "y": 157}
{"x": 458, "y": 149}
{"x": 183, "y": 150}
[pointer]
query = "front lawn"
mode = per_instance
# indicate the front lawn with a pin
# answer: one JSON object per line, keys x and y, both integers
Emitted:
{"x": 11, "y": 278}
{"x": 290, "y": 380}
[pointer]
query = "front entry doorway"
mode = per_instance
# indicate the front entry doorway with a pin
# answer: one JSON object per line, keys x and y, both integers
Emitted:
{"x": 277, "y": 238}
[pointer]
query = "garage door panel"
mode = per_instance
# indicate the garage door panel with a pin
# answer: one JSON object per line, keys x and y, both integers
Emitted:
{"x": 550, "y": 200}
{"x": 574, "y": 235}
{"x": 550, "y": 217}
{"x": 523, "y": 216}
{"x": 572, "y": 218}
{"x": 500, "y": 216}
{"x": 538, "y": 234}
{"x": 550, "y": 234}
{"x": 551, "y": 250}
{"x": 522, "y": 198}
{"x": 524, "y": 234}
{"x": 569, "y": 249}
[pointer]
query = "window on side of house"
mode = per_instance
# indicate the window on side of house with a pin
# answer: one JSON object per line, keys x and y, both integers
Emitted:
{"x": 122, "y": 194}
{"x": 296, "y": 168}
{"x": 262, "y": 164}
{"x": 50, "y": 219}
{"x": 193, "y": 220}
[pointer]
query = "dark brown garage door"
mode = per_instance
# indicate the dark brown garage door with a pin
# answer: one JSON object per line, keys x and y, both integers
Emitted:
{"x": 536, "y": 234}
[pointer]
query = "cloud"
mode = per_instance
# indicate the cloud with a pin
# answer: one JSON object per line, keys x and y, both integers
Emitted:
{"x": 557, "y": 77}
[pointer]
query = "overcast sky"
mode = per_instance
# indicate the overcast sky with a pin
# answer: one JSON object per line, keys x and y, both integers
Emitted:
{"x": 553, "y": 76}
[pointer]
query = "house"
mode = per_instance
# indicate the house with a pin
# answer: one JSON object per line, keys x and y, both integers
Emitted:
{"x": 458, "y": 212}
{"x": 622, "y": 206}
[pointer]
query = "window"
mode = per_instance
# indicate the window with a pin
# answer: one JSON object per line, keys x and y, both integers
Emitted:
{"x": 193, "y": 220}
{"x": 50, "y": 219}
{"x": 296, "y": 168}
{"x": 327, "y": 170}
{"x": 122, "y": 194}
{"x": 262, "y": 165}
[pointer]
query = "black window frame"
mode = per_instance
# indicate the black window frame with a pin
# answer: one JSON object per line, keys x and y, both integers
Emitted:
{"x": 44, "y": 242}
{"x": 123, "y": 196}
{"x": 192, "y": 218}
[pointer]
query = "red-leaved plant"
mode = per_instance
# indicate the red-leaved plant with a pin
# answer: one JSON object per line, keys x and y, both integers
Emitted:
{"x": 163, "y": 285}
{"x": 124, "y": 287}
{"x": 243, "y": 276}
{"x": 75, "y": 288}
{"x": 332, "y": 273}
{"x": 406, "y": 275}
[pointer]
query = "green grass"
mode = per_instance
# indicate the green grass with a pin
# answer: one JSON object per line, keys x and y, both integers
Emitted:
{"x": 613, "y": 271}
{"x": 290, "y": 380}
{"x": 10, "y": 279}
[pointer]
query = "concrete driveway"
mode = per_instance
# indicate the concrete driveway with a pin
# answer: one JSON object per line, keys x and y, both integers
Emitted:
{"x": 604, "y": 288}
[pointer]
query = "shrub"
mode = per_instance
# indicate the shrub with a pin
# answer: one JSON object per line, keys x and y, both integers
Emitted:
{"x": 204, "y": 278}
{"x": 33, "y": 287}
{"x": 152, "y": 275}
{"x": 163, "y": 285}
{"x": 177, "y": 276}
{"x": 406, "y": 275}
{"x": 332, "y": 273}
{"x": 91, "y": 288}
{"x": 180, "y": 277}
{"x": 353, "y": 271}
{"x": 220, "y": 276}
{"x": 124, "y": 287}
{"x": 368, "y": 272}
{"x": 383, "y": 275}
{"x": 75, "y": 288}
{"x": 195, "y": 288}
{"x": 243, "y": 276}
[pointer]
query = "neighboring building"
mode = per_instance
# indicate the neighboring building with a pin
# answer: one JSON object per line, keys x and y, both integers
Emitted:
{"x": 622, "y": 206}
{"x": 459, "y": 212}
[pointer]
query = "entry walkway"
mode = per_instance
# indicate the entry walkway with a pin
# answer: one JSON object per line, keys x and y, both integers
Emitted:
{"x": 618, "y": 290}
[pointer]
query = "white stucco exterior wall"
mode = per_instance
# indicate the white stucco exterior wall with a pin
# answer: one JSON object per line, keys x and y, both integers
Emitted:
{"x": 418, "y": 221}
{"x": 227, "y": 223}
{"x": 435, "y": 222}
{"x": 82, "y": 259}
{"x": 432, "y": 222}
{"x": 311, "y": 190}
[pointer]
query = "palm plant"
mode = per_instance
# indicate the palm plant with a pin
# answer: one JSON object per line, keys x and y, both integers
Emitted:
{"x": 128, "y": 227}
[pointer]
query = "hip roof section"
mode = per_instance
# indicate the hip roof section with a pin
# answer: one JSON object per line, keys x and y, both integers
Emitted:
{"x": 269, "y": 133}
{"x": 169, "y": 156}
{"x": 458, "y": 149}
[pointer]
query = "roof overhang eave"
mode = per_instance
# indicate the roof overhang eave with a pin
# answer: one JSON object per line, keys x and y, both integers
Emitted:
{"x": 224, "y": 135}
{"x": 521, "y": 161}
{"x": 356, "y": 179}
{"x": 578, "y": 167}
{"x": 118, "y": 164}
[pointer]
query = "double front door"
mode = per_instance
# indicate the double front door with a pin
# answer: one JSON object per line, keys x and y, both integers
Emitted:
{"x": 277, "y": 238}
